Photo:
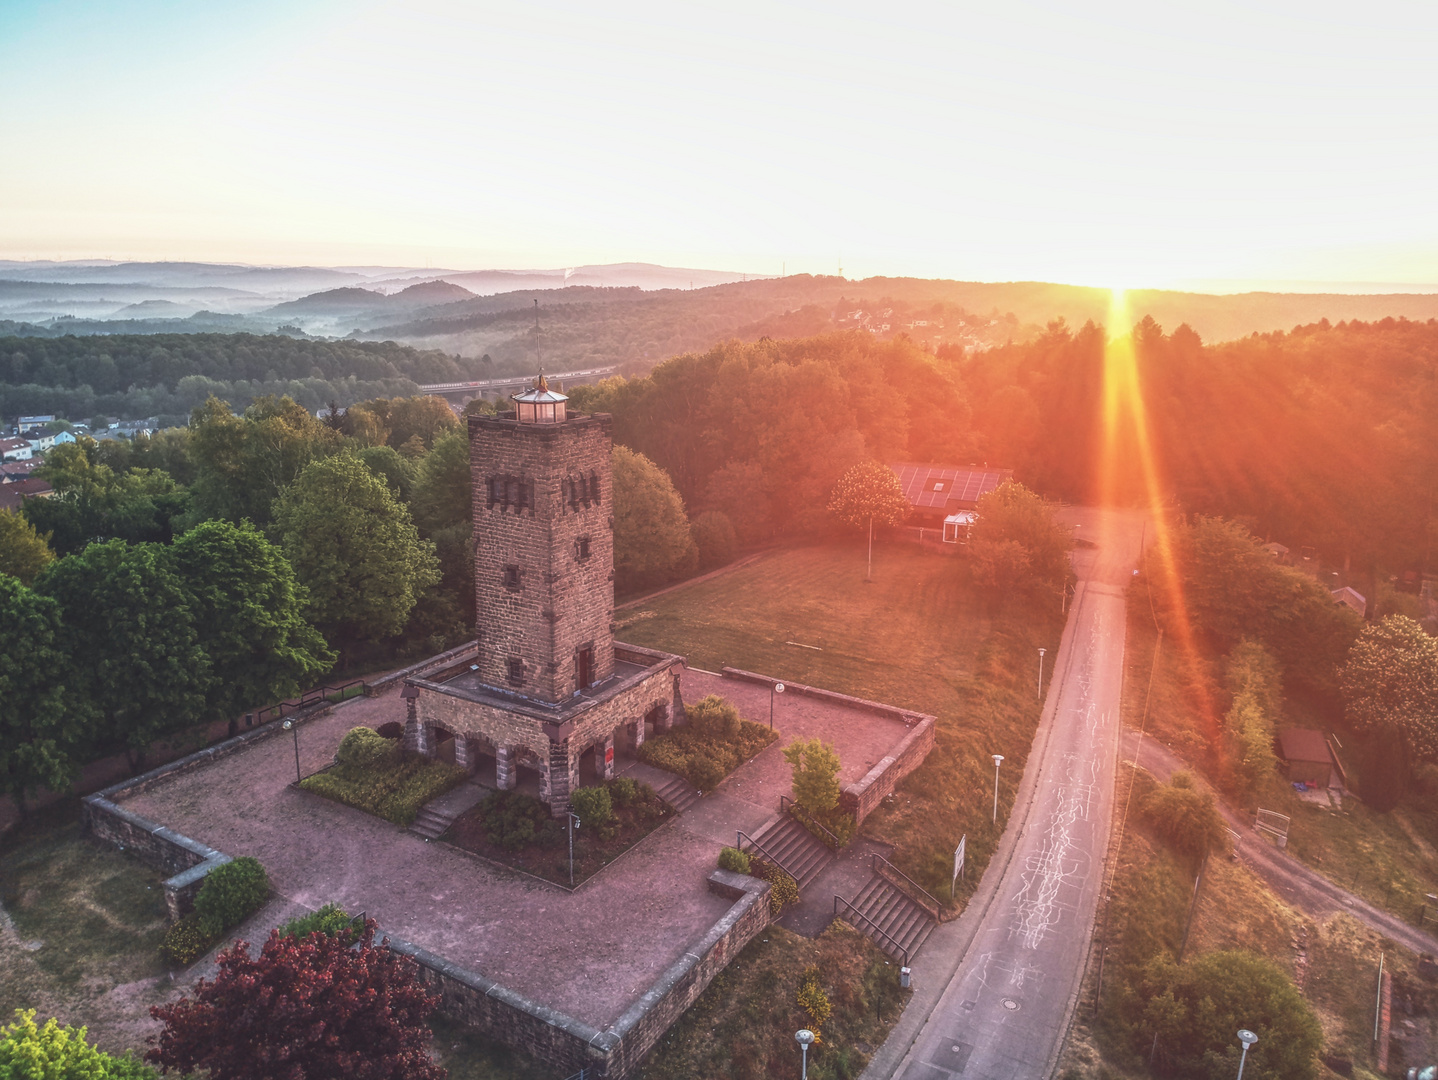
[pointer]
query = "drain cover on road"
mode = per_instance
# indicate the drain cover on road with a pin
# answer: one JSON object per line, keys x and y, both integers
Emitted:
{"x": 950, "y": 1055}
{"x": 1010, "y": 1004}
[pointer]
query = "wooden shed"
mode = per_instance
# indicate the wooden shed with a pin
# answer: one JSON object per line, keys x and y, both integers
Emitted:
{"x": 1306, "y": 756}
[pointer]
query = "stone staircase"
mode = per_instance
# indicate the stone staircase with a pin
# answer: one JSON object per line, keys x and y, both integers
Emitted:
{"x": 801, "y": 854}
{"x": 431, "y": 823}
{"x": 886, "y": 908}
{"x": 678, "y": 793}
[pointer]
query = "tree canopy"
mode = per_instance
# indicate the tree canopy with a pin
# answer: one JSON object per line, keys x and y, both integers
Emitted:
{"x": 354, "y": 548}
{"x": 1196, "y": 1008}
{"x": 1016, "y": 542}
{"x": 652, "y": 541}
{"x": 129, "y": 633}
{"x": 42, "y": 720}
{"x": 249, "y": 617}
{"x": 24, "y": 552}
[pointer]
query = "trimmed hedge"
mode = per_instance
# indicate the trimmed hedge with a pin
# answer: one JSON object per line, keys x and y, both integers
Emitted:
{"x": 230, "y": 894}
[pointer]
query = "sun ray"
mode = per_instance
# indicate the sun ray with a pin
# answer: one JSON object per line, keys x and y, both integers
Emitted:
{"x": 1128, "y": 454}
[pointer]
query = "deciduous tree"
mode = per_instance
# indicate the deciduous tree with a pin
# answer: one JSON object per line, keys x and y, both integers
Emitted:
{"x": 652, "y": 541}
{"x": 869, "y": 494}
{"x": 23, "y": 551}
{"x": 816, "y": 774}
{"x": 1390, "y": 691}
{"x": 42, "y": 717}
{"x": 1016, "y": 541}
{"x": 1195, "y": 1009}
{"x": 249, "y": 616}
{"x": 305, "y": 1007}
{"x": 130, "y": 640}
{"x": 354, "y": 547}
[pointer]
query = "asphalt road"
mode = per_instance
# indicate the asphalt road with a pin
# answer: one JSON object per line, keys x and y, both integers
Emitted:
{"x": 1017, "y": 955}
{"x": 1306, "y": 889}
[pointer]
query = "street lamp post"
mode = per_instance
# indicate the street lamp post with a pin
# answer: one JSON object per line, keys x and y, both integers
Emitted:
{"x": 998, "y": 760}
{"x": 289, "y": 725}
{"x": 777, "y": 688}
{"x": 1041, "y": 674}
{"x": 573, "y": 823}
{"x": 1248, "y": 1038}
{"x": 804, "y": 1037}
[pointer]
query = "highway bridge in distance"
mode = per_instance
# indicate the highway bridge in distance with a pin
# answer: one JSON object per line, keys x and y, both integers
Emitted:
{"x": 461, "y": 392}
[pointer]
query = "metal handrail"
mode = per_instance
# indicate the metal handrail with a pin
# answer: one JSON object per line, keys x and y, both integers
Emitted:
{"x": 808, "y": 819}
{"x": 739, "y": 843}
{"x": 938, "y": 907}
{"x": 876, "y": 927}
{"x": 309, "y": 697}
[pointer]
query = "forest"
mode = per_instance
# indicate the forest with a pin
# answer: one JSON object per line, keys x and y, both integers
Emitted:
{"x": 167, "y": 375}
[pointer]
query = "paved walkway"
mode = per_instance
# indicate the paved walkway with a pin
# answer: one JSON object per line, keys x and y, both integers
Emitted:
{"x": 589, "y": 953}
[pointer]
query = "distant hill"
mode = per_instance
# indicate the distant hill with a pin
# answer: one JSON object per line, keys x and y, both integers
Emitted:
{"x": 635, "y": 329}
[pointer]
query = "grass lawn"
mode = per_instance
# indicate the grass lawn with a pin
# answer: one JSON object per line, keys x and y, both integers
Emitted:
{"x": 916, "y": 637}
{"x": 742, "y": 1027}
{"x": 1388, "y": 859}
{"x": 85, "y": 924}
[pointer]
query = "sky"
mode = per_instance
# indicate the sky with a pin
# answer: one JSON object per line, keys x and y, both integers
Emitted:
{"x": 1208, "y": 145}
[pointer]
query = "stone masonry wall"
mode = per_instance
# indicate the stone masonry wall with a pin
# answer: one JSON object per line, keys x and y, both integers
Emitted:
{"x": 562, "y": 601}
{"x": 511, "y": 728}
{"x": 862, "y": 797}
{"x": 568, "y": 1044}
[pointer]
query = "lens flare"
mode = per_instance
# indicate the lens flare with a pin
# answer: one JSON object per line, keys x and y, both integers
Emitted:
{"x": 1128, "y": 458}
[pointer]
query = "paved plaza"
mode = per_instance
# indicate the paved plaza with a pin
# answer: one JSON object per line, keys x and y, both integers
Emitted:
{"x": 590, "y": 953}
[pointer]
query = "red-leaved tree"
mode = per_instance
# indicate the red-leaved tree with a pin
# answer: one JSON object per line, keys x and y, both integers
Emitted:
{"x": 302, "y": 1010}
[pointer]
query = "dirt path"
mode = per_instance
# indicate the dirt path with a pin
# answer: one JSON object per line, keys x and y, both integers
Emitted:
{"x": 1307, "y": 890}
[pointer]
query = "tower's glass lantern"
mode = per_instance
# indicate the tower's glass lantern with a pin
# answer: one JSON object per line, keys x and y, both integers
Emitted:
{"x": 540, "y": 405}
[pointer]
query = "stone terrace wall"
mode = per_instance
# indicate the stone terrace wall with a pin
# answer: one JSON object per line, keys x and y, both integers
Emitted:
{"x": 558, "y": 1039}
{"x": 645, "y": 1023}
{"x": 862, "y": 797}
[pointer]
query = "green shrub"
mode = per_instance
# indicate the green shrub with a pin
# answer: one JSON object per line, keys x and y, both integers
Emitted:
{"x": 512, "y": 821}
{"x": 702, "y": 759}
{"x": 330, "y": 919}
{"x": 365, "y": 748}
{"x": 734, "y": 860}
{"x": 625, "y": 791}
{"x": 1185, "y": 816}
{"x": 230, "y": 894}
{"x": 186, "y": 941}
{"x": 713, "y": 533}
{"x": 783, "y": 889}
{"x": 838, "y": 821}
{"x": 714, "y": 718}
{"x": 28, "y": 1050}
{"x": 813, "y": 1000}
{"x": 705, "y": 773}
{"x": 593, "y": 805}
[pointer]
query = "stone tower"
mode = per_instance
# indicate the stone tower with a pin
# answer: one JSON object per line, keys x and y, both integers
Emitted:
{"x": 544, "y": 547}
